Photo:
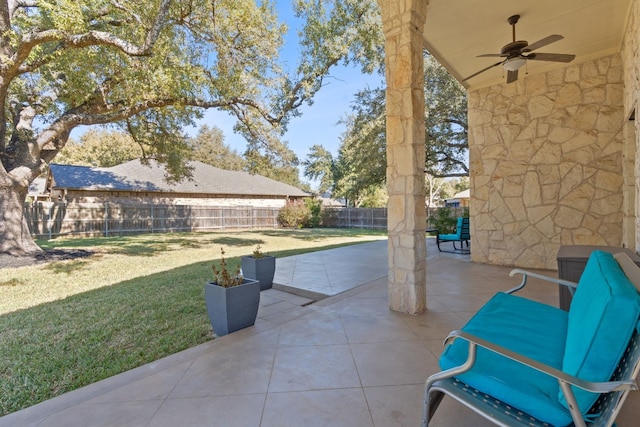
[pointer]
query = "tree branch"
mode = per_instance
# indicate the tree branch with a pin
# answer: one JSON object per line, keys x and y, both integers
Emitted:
{"x": 90, "y": 38}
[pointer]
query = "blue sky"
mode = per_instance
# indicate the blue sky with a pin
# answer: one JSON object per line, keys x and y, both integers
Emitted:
{"x": 318, "y": 123}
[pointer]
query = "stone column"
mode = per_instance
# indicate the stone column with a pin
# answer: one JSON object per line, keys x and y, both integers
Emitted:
{"x": 403, "y": 22}
{"x": 629, "y": 153}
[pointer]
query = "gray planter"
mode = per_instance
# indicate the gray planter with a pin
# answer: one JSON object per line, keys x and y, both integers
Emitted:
{"x": 232, "y": 309}
{"x": 260, "y": 269}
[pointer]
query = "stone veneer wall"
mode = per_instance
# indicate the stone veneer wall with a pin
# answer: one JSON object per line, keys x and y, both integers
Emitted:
{"x": 546, "y": 164}
{"x": 631, "y": 61}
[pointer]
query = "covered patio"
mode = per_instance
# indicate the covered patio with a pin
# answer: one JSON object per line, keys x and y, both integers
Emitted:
{"x": 552, "y": 144}
{"x": 552, "y": 163}
{"x": 345, "y": 360}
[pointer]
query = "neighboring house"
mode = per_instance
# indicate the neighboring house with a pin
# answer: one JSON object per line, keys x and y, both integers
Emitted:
{"x": 134, "y": 182}
{"x": 459, "y": 200}
{"x": 330, "y": 202}
{"x": 37, "y": 190}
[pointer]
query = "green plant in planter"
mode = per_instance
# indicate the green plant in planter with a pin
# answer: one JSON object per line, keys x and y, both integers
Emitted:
{"x": 257, "y": 253}
{"x": 259, "y": 266}
{"x": 222, "y": 276}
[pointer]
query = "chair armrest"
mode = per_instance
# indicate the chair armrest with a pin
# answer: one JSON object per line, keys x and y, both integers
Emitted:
{"x": 595, "y": 387}
{"x": 526, "y": 274}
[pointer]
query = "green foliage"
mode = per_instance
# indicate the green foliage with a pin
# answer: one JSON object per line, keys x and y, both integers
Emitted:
{"x": 445, "y": 121}
{"x": 282, "y": 169}
{"x": 360, "y": 167}
{"x": 294, "y": 215}
{"x": 209, "y": 147}
{"x": 100, "y": 148}
{"x": 222, "y": 275}
{"x": 151, "y": 68}
{"x": 257, "y": 253}
{"x": 112, "y": 314}
{"x": 374, "y": 197}
{"x": 320, "y": 165}
{"x": 315, "y": 212}
{"x": 362, "y": 157}
{"x": 443, "y": 221}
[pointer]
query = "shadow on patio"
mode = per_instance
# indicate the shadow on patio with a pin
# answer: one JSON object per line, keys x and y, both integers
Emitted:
{"x": 345, "y": 360}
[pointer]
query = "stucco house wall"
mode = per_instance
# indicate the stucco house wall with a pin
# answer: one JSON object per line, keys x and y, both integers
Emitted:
{"x": 546, "y": 163}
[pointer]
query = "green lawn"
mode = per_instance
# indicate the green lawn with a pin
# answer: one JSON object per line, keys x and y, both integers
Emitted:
{"x": 67, "y": 324}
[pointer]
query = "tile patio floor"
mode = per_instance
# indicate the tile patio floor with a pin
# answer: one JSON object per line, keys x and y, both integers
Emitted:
{"x": 345, "y": 360}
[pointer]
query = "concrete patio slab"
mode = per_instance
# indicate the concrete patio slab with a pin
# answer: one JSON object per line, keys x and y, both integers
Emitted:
{"x": 346, "y": 360}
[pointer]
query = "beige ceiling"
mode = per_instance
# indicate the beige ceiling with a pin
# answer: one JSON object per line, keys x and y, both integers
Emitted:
{"x": 456, "y": 31}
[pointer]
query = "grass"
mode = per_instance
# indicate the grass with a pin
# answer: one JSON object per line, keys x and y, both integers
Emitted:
{"x": 67, "y": 324}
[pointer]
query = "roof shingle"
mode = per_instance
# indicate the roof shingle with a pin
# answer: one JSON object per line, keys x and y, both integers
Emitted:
{"x": 135, "y": 176}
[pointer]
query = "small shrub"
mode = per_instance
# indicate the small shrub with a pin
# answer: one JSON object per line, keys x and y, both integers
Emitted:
{"x": 315, "y": 212}
{"x": 294, "y": 215}
{"x": 443, "y": 221}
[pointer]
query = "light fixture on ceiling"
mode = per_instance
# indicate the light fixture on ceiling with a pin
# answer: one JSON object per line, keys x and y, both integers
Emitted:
{"x": 513, "y": 64}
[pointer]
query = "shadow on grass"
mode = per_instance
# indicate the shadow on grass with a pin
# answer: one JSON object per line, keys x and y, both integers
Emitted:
{"x": 149, "y": 245}
{"x": 308, "y": 234}
{"x": 67, "y": 266}
{"x": 141, "y": 245}
{"x": 235, "y": 241}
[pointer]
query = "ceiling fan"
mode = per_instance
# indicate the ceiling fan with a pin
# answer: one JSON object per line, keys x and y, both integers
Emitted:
{"x": 517, "y": 53}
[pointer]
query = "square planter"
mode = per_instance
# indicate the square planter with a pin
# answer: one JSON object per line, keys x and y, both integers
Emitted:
{"x": 234, "y": 308}
{"x": 260, "y": 269}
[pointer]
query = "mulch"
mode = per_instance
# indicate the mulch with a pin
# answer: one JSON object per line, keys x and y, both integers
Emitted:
{"x": 51, "y": 255}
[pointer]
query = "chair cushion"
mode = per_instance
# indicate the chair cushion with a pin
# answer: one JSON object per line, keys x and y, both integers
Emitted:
{"x": 524, "y": 326}
{"x": 603, "y": 313}
{"x": 447, "y": 237}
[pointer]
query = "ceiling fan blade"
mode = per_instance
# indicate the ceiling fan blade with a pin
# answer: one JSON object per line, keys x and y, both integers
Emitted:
{"x": 512, "y": 76}
{"x": 483, "y": 70}
{"x": 491, "y": 55}
{"x": 554, "y": 57}
{"x": 543, "y": 42}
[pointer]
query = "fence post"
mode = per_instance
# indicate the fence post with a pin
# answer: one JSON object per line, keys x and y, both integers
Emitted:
{"x": 152, "y": 220}
{"x": 50, "y": 222}
{"x": 106, "y": 219}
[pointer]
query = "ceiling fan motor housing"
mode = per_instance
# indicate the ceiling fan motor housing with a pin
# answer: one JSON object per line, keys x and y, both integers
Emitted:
{"x": 514, "y": 48}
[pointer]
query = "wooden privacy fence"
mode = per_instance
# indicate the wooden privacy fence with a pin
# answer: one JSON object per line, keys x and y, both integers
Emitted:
{"x": 354, "y": 217}
{"x": 48, "y": 220}
{"x": 371, "y": 217}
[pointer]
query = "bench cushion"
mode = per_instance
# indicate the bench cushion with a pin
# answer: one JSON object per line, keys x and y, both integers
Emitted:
{"x": 602, "y": 316}
{"x": 524, "y": 326}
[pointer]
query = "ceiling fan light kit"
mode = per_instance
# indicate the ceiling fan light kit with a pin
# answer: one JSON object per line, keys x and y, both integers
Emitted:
{"x": 517, "y": 53}
{"x": 514, "y": 64}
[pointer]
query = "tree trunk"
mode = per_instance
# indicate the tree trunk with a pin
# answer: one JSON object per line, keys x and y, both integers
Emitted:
{"x": 15, "y": 238}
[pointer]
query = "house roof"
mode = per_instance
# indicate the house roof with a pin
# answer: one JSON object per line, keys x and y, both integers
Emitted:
{"x": 464, "y": 194}
{"x": 38, "y": 186}
{"x": 457, "y": 31}
{"x": 135, "y": 176}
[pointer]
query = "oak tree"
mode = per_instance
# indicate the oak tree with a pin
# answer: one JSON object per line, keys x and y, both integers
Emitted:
{"x": 149, "y": 68}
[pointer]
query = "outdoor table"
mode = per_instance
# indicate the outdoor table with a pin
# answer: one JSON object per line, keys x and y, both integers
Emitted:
{"x": 572, "y": 260}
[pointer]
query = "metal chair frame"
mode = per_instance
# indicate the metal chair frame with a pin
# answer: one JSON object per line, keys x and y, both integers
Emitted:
{"x": 602, "y": 413}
